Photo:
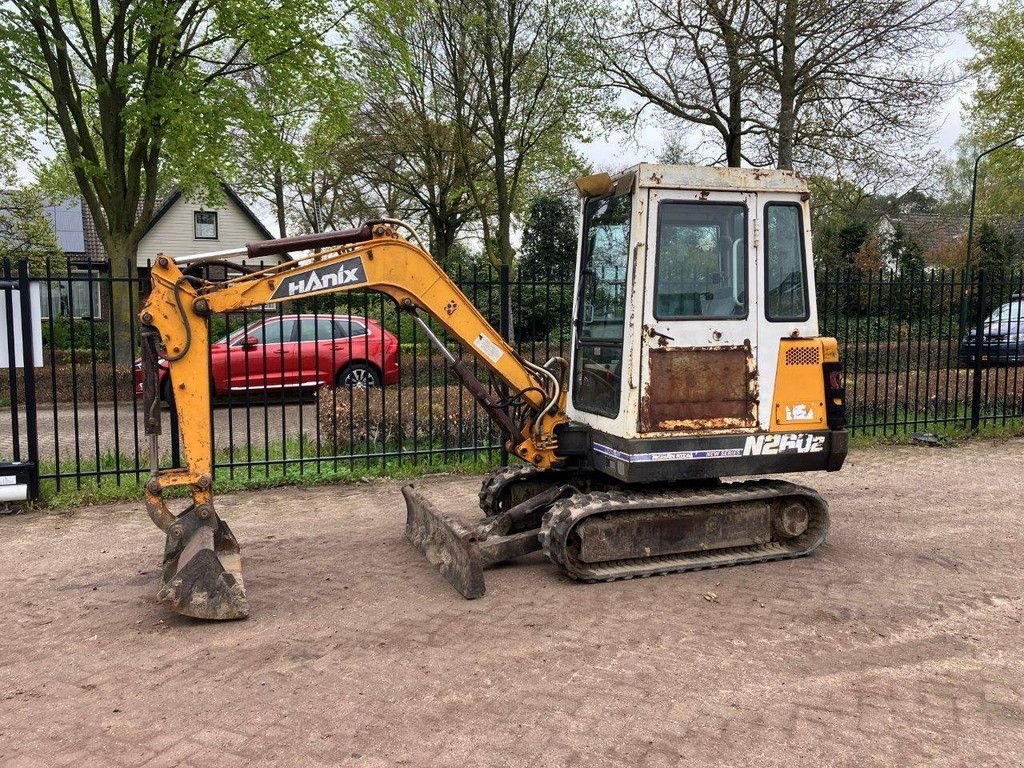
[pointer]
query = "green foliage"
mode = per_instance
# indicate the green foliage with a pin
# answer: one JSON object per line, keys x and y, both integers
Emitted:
{"x": 525, "y": 93}
{"x": 906, "y": 257}
{"x": 178, "y": 93}
{"x": 141, "y": 95}
{"x": 541, "y": 311}
{"x": 292, "y": 120}
{"x": 904, "y": 253}
{"x": 997, "y": 251}
{"x": 549, "y": 238}
{"x": 837, "y": 243}
{"x": 996, "y": 109}
{"x": 64, "y": 333}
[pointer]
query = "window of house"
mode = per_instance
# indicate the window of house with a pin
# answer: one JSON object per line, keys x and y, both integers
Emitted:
{"x": 206, "y": 225}
{"x": 78, "y": 295}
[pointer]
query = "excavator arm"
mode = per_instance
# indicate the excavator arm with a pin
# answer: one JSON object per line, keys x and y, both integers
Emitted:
{"x": 202, "y": 564}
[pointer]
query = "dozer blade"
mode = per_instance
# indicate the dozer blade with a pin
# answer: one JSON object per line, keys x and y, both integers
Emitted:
{"x": 446, "y": 543}
{"x": 202, "y": 575}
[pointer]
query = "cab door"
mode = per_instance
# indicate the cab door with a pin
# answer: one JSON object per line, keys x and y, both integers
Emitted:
{"x": 788, "y": 309}
{"x": 699, "y": 337}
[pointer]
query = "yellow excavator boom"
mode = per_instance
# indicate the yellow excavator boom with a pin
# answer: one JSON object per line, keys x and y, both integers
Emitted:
{"x": 176, "y": 330}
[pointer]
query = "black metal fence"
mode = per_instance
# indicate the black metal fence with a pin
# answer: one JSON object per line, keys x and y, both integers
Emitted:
{"x": 284, "y": 404}
{"x": 289, "y": 403}
{"x": 926, "y": 351}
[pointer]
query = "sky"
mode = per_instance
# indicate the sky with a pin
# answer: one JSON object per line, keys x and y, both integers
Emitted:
{"x": 624, "y": 149}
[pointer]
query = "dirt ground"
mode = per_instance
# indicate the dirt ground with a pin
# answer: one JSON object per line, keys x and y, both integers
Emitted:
{"x": 898, "y": 643}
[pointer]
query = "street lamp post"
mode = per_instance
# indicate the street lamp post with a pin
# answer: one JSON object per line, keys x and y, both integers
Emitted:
{"x": 974, "y": 194}
{"x": 976, "y": 372}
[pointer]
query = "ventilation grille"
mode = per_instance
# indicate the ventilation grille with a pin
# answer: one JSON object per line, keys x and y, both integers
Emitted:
{"x": 803, "y": 356}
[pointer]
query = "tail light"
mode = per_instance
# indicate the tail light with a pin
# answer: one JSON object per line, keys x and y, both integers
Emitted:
{"x": 835, "y": 395}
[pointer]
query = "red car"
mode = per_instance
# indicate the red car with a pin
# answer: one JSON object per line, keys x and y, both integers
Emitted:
{"x": 298, "y": 352}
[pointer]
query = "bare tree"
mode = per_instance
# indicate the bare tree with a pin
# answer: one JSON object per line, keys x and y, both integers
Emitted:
{"x": 692, "y": 60}
{"x": 339, "y": 189}
{"x": 275, "y": 144}
{"x": 517, "y": 70}
{"x": 849, "y": 80}
{"x": 409, "y": 127}
{"x": 816, "y": 83}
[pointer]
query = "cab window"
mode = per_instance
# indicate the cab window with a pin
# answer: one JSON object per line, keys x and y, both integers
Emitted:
{"x": 701, "y": 263}
{"x": 597, "y": 377}
{"x": 785, "y": 263}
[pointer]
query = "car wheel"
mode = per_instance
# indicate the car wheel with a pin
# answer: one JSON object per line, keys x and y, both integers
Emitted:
{"x": 358, "y": 376}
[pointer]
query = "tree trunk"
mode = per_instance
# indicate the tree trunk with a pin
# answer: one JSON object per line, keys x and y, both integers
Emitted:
{"x": 734, "y": 146}
{"x": 505, "y": 259}
{"x": 124, "y": 300}
{"x": 734, "y": 137}
{"x": 787, "y": 88}
{"x": 279, "y": 201}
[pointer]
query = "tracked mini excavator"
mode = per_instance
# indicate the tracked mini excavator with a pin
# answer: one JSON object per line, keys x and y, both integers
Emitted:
{"x": 695, "y": 357}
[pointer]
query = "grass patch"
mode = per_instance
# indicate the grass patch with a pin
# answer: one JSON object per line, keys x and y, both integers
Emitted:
{"x": 1012, "y": 427}
{"x": 293, "y": 462}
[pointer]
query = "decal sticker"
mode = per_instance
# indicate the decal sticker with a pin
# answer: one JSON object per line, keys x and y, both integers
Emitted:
{"x": 488, "y": 348}
{"x": 754, "y": 445}
{"x": 348, "y": 272}
{"x": 705, "y": 453}
{"x": 799, "y": 412}
{"x": 772, "y": 445}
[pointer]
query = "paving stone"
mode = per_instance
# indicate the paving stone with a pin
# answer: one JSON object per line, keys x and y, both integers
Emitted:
{"x": 896, "y": 644}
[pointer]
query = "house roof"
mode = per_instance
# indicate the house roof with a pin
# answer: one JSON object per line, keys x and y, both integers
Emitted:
{"x": 931, "y": 230}
{"x": 169, "y": 201}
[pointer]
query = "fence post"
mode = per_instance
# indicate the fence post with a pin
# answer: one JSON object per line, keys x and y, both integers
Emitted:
{"x": 12, "y": 368}
{"x": 505, "y": 328}
{"x": 979, "y": 339}
{"x": 28, "y": 357}
{"x": 175, "y": 432}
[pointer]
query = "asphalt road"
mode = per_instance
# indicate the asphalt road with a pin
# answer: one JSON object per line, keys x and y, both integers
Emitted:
{"x": 102, "y": 429}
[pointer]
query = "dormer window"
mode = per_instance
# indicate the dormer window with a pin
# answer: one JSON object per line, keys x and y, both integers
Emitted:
{"x": 206, "y": 225}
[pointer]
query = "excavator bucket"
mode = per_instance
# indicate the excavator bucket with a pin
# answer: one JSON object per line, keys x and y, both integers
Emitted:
{"x": 447, "y": 544}
{"x": 202, "y": 575}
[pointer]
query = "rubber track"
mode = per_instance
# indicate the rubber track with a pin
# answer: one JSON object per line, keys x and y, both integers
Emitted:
{"x": 563, "y": 517}
{"x": 498, "y": 486}
{"x": 495, "y": 484}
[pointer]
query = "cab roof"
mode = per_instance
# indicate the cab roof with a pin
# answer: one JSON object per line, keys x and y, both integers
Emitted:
{"x": 658, "y": 176}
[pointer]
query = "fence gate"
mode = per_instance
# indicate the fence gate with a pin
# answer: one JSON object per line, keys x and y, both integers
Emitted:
{"x": 19, "y": 321}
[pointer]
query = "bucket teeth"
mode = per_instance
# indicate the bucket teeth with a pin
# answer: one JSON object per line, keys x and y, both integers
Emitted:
{"x": 203, "y": 570}
{"x": 446, "y": 543}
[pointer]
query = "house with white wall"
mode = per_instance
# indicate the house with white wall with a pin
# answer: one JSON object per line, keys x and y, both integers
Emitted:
{"x": 179, "y": 227}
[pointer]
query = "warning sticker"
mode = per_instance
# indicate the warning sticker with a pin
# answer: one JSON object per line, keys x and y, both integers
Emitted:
{"x": 488, "y": 348}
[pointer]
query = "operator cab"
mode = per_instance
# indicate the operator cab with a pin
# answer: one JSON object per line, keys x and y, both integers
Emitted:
{"x": 692, "y": 284}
